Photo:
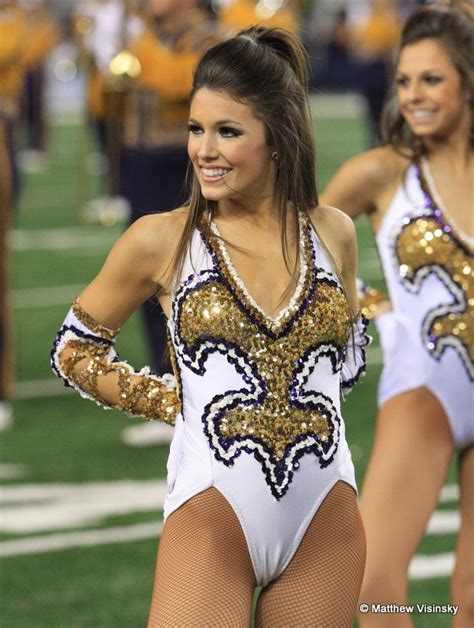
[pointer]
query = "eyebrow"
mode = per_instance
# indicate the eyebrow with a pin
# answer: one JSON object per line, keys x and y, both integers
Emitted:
{"x": 219, "y": 122}
{"x": 426, "y": 71}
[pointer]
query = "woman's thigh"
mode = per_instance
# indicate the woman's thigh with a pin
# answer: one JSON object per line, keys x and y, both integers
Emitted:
{"x": 204, "y": 575}
{"x": 463, "y": 578}
{"x": 409, "y": 461}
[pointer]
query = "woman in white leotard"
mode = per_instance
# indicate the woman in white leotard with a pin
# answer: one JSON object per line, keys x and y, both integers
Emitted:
{"x": 264, "y": 338}
{"x": 418, "y": 192}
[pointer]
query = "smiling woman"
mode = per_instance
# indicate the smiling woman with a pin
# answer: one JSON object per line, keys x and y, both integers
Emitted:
{"x": 417, "y": 190}
{"x": 228, "y": 149}
{"x": 264, "y": 338}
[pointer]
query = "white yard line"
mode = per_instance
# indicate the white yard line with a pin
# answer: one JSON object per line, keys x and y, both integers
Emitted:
{"x": 444, "y": 522}
{"x": 11, "y": 471}
{"x": 61, "y": 239}
{"x": 40, "y": 389}
{"x": 45, "y": 297}
{"x": 436, "y": 566}
{"x": 349, "y": 105}
{"x": 449, "y": 493}
{"x": 68, "y": 540}
{"x": 31, "y": 509}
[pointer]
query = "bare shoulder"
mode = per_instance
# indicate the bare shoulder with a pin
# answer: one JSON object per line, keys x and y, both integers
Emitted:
{"x": 361, "y": 182}
{"x": 336, "y": 230}
{"x": 148, "y": 246}
{"x": 157, "y": 232}
{"x": 378, "y": 166}
{"x": 332, "y": 224}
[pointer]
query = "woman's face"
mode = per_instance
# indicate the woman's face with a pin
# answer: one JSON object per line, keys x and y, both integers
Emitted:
{"x": 161, "y": 8}
{"x": 228, "y": 148}
{"x": 430, "y": 93}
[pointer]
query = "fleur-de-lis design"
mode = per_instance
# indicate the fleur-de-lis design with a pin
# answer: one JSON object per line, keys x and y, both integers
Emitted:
{"x": 272, "y": 416}
{"x": 427, "y": 244}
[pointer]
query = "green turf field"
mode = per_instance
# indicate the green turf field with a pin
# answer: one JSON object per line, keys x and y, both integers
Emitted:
{"x": 84, "y": 557}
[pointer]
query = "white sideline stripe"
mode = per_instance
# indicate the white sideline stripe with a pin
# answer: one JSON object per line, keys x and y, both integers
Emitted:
{"x": 423, "y": 567}
{"x": 45, "y": 297}
{"x": 449, "y": 493}
{"x": 68, "y": 540}
{"x": 348, "y": 105}
{"x": 39, "y": 508}
{"x": 39, "y": 388}
{"x": 444, "y": 522}
{"x": 59, "y": 240}
{"x": 11, "y": 471}
{"x": 25, "y": 493}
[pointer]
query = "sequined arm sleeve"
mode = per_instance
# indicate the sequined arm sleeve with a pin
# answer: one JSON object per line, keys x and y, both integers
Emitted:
{"x": 355, "y": 360}
{"x": 84, "y": 357}
{"x": 369, "y": 299}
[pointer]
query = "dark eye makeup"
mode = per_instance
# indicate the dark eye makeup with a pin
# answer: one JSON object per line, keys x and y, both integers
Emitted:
{"x": 224, "y": 131}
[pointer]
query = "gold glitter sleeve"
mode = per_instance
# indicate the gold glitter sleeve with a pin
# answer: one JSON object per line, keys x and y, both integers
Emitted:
{"x": 369, "y": 299}
{"x": 84, "y": 357}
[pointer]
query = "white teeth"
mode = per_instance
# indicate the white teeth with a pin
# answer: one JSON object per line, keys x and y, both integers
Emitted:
{"x": 422, "y": 113}
{"x": 214, "y": 172}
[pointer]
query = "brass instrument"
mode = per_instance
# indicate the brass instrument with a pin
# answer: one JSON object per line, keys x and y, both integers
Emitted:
{"x": 123, "y": 68}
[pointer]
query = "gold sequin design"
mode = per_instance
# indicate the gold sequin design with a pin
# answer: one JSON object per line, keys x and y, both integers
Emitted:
{"x": 92, "y": 324}
{"x": 211, "y": 311}
{"x": 369, "y": 302}
{"x": 147, "y": 398}
{"x": 422, "y": 245}
{"x": 228, "y": 271}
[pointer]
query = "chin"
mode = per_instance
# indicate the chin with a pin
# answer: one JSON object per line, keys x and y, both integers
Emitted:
{"x": 212, "y": 195}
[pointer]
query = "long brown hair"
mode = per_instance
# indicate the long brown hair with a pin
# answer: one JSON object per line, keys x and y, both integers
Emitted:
{"x": 453, "y": 28}
{"x": 266, "y": 69}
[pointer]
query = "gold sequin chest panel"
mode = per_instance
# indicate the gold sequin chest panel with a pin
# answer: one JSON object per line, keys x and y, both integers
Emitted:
{"x": 269, "y": 412}
{"x": 427, "y": 244}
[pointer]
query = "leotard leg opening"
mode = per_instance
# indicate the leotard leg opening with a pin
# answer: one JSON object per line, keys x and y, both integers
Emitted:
{"x": 320, "y": 586}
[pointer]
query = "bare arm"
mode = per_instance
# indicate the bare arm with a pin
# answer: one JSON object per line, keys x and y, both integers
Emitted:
{"x": 359, "y": 184}
{"x": 84, "y": 355}
{"x": 337, "y": 232}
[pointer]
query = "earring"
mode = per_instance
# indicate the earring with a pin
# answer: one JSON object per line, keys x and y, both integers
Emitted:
{"x": 274, "y": 155}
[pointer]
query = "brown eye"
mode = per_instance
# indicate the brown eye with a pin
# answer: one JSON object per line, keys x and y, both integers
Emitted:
{"x": 227, "y": 131}
{"x": 194, "y": 129}
{"x": 433, "y": 80}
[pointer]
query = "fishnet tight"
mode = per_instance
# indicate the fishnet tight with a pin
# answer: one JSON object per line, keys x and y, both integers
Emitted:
{"x": 205, "y": 577}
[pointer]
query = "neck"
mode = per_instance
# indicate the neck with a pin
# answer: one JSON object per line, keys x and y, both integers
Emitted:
{"x": 455, "y": 156}
{"x": 262, "y": 213}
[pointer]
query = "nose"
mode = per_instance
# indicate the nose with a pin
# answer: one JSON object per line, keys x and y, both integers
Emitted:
{"x": 207, "y": 149}
{"x": 413, "y": 92}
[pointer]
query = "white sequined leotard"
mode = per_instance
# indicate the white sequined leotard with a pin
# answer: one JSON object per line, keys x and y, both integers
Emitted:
{"x": 261, "y": 416}
{"x": 428, "y": 339}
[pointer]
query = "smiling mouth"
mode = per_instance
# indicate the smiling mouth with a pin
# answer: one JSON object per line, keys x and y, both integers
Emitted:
{"x": 422, "y": 114}
{"x": 214, "y": 174}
